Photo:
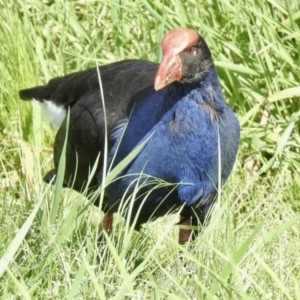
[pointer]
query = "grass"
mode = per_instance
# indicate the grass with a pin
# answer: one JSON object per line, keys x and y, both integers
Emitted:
{"x": 48, "y": 236}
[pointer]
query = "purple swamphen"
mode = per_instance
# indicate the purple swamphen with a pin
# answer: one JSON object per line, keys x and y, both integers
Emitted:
{"x": 176, "y": 109}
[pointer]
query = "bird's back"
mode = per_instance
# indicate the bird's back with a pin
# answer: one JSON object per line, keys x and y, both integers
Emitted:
{"x": 80, "y": 92}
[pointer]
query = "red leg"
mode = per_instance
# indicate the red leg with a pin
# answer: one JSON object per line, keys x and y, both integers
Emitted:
{"x": 184, "y": 234}
{"x": 108, "y": 221}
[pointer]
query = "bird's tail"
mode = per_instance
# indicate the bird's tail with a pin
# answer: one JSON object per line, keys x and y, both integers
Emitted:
{"x": 38, "y": 93}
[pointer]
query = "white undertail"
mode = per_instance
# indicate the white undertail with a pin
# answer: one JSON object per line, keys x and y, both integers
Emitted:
{"x": 52, "y": 113}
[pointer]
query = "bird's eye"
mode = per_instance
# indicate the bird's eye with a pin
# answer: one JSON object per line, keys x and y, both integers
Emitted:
{"x": 189, "y": 50}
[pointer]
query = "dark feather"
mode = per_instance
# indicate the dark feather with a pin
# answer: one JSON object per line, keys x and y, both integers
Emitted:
{"x": 39, "y": 93}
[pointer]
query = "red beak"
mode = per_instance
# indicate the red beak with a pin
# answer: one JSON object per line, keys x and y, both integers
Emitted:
{"x": 174, "y": 42}
{"x": 169, "y": 70}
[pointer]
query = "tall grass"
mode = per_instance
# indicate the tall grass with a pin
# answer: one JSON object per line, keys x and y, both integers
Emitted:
{"x": 249, "y": 250}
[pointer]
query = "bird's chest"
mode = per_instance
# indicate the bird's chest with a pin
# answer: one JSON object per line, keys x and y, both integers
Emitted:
{"x": 180, "y": 144}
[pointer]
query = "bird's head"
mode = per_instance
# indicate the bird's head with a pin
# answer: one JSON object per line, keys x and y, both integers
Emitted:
{"x": 186, "y": 57}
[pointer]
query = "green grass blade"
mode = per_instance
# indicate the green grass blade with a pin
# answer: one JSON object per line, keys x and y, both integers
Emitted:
{"x": 59, "y": 177}
{"x": 236, "y": 258}
{"x": 15, "y": 244}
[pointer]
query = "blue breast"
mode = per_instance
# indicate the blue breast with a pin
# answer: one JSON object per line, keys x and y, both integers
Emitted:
{"x": 186, "y": 125}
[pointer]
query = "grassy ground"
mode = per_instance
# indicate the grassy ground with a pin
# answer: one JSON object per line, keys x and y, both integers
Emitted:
{"x": 48, "y": 237}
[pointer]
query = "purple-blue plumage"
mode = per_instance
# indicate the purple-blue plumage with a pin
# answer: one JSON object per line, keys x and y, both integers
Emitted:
{"x": 191, "y": 136}
{"x": 182, "y": 122}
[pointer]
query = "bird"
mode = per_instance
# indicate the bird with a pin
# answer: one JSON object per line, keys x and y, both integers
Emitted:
{"x": 174, "y": 112}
